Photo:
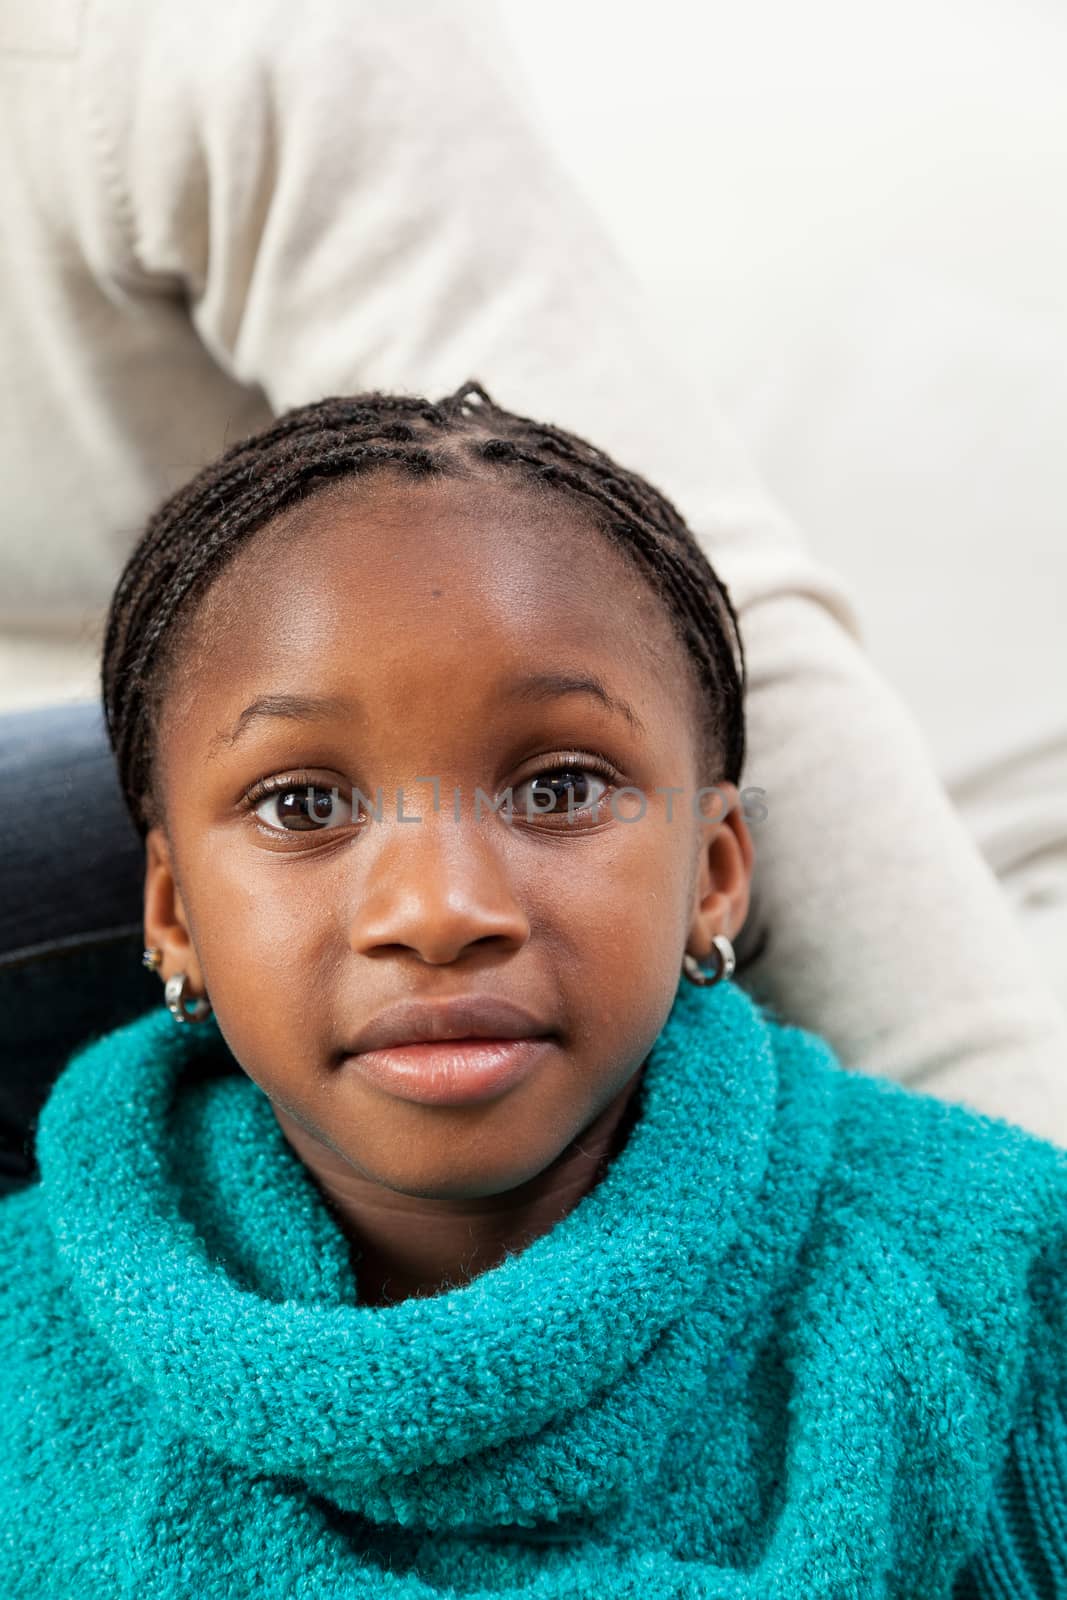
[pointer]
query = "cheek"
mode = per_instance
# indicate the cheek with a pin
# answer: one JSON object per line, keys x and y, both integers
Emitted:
{"x": 265, "y": 917}
{"x": 263, "y": 937}
{"x": 642, "y": 884}
{"x": 620, "y": 919}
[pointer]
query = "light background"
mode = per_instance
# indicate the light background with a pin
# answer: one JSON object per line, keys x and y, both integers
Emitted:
{"x": 853, "y": 220}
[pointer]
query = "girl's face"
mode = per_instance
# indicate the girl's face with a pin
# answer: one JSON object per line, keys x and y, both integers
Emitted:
{"x": 382, "y": 636}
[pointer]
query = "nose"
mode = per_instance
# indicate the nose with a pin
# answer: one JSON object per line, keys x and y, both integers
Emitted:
{"x": 436, "y": 887}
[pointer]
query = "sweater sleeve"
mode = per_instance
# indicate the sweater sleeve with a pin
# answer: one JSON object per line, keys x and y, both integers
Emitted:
{"x": 350, "y": 196}
{"x": 1023, "y": 1554}
{"x": 1023, "y": 1550}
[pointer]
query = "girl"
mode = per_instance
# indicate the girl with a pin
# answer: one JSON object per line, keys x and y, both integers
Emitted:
{"x": 458, "y": 1226}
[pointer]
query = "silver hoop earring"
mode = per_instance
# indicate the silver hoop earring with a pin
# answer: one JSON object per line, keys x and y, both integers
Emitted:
{"x": 177, "y": 1004}
{"x": 725, "y": 965}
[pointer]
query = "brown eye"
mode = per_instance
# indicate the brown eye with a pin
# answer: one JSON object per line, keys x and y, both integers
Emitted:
{"x": 565, "y": 791}
{"x": 304, "y": 808}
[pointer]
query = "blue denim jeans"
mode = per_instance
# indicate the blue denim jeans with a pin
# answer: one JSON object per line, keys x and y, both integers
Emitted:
{"x": 71, "y": 903}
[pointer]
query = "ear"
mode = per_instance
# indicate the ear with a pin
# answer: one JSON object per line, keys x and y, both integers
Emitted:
{"x": 723, "y": 872}
{"x": 165, "y": 922}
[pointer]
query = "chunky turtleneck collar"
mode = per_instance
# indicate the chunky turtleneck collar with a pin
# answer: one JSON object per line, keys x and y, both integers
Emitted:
{"x": 802, "y": 1340}
{"x": 205, "y": 1256}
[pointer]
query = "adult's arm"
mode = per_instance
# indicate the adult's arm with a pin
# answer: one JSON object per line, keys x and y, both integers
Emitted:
{"x": 350, "y": 195}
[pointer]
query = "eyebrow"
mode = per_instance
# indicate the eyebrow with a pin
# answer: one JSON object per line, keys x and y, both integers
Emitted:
{"x": 539, "y": 686}
{"x": 290, "y": 707}
{"x": 533, "y": 689}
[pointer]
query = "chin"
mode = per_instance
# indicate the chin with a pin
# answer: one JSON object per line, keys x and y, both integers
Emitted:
{"x": 470, "y": 1180}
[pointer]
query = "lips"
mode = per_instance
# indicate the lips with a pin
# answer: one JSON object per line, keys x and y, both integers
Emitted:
{"x": 466, "y": 1017}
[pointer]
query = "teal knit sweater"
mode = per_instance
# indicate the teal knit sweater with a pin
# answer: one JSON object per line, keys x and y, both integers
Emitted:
{"x": 805, "y": 1339}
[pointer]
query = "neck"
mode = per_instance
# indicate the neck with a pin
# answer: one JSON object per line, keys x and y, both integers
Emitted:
{"x": 408, "y": 1246}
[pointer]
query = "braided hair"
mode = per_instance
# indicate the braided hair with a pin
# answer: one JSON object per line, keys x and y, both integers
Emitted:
{"x": 197, "y": 531}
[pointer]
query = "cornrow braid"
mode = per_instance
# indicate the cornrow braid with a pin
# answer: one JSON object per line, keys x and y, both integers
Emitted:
{"x": 197, "y": 531}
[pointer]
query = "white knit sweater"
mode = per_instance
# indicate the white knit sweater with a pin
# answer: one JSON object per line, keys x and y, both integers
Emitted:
{"x": 212, "y": 212}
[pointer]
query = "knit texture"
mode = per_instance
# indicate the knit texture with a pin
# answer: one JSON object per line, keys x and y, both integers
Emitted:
{"x": 803, "y": 1339}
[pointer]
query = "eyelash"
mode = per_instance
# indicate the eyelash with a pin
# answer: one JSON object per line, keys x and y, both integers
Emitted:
{"x": 278, "y": 784}
{"x": 281, "y": 783}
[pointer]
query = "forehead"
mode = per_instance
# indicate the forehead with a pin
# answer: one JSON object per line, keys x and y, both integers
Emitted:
{"x": 423, "y": 578}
